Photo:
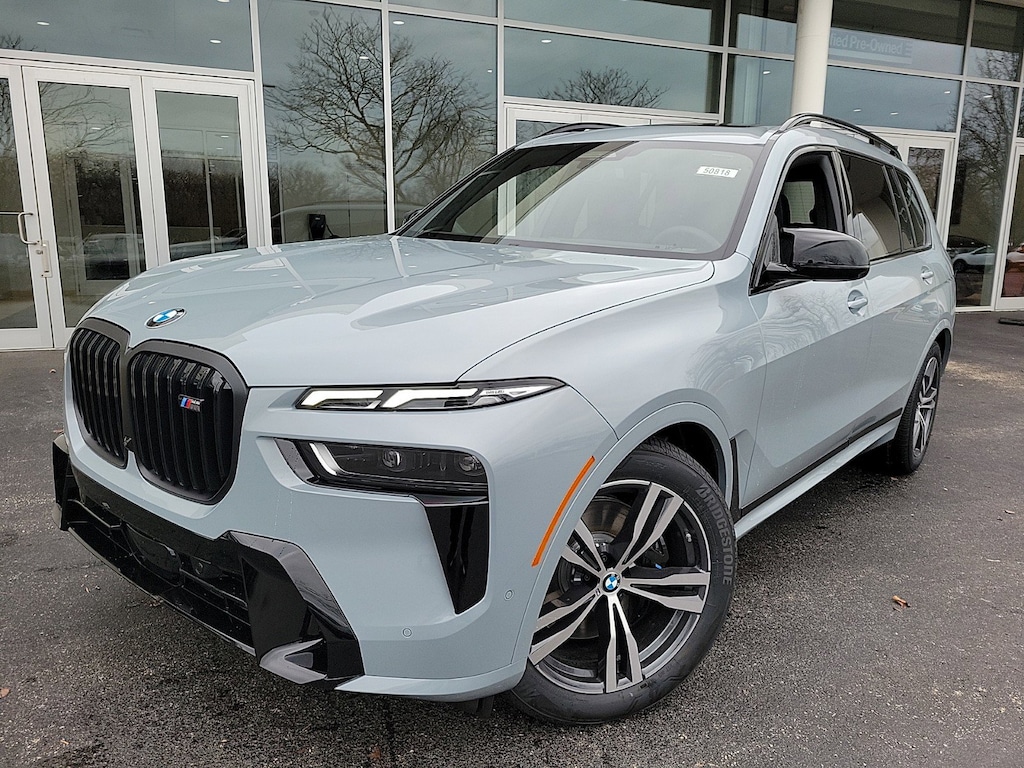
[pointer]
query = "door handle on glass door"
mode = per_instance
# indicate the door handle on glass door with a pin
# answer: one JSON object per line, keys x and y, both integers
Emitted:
{"x": 22, "y": 232}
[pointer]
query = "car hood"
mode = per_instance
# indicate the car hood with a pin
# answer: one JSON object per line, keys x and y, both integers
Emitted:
{"x": 380, "y": 310}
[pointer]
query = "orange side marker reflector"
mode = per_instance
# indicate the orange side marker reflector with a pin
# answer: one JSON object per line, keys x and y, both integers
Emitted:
{"x": 561, "y": 508}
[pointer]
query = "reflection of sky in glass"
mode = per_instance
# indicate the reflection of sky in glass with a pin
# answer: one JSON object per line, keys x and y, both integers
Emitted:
{"x": 687, "y": 22}
{"x": 444, "y": 102}
{"x": 884, "y": 99}
{"x": 169, "y": 31}
{"x": 759, "y": 91}
{"x": 478, "y": 7}
{"x": 996, "y": 42}
{"x": 675, "y": 79}
{"x": 323, "y": 161}
{"x": 914, "y": 34}
{"x": 893, "y": 51}
{"x": 764, "y": 25}
{"x": 283, "y": 23}
{"x": 471, "y": 48}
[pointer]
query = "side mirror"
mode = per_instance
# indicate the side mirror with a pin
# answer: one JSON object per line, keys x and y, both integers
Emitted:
{"x": 818, "y": 254}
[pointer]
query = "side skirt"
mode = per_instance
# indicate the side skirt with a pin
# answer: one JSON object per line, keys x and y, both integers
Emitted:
{"x": 773, "y": 504}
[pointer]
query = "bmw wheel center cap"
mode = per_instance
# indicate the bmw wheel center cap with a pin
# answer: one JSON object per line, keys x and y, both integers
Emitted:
{"x": 610, "y": 582}
{"x": 165, "y": 317}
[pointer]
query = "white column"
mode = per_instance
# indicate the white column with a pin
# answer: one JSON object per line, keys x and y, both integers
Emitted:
{"x": 813, "y": 20}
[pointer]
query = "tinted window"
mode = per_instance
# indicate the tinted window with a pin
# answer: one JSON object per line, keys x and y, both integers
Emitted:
{"x": 874, "y": 210}
{"x": 913, "y": 224}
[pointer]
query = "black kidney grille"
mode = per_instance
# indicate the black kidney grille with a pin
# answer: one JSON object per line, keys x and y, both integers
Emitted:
{"x": 96, "y": 389}
{"x": 183, "y": 415}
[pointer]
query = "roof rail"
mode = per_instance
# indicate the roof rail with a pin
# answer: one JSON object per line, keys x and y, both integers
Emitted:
{"x": 807, "y": 118}
{"x": 576, "y": 127}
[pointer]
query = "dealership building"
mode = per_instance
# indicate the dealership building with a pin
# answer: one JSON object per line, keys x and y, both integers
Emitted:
{"x": 134, "y": 134}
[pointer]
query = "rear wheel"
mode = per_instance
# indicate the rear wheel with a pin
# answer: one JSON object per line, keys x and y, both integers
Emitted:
{"x": 640, "y": 592}
{"x": 906, "y": 450}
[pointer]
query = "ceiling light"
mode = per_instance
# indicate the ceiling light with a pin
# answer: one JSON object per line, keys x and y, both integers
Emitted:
{"x": 43, "y": 23}
{"x": 215, "y": 41}
{"x": 490, "y": 70}
{"x": 893, "y": 113}
{"x": 364, "y": 58}
{"x": 399, "y": 23}
{"x": 546, "y": 40}
{"x": 766, "y": 72}
{"x": 947, "y": 92}
{"x": 858, "y": 110}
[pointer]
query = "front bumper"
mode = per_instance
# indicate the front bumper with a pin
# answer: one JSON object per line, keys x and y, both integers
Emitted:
{"x": 263, "y": 595}
{"x": 378, "y": 555}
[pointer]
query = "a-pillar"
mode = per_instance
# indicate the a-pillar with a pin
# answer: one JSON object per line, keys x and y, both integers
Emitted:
{"x": 813, "y": 22}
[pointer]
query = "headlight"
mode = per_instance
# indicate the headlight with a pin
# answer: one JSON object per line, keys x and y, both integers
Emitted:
{"x": 390, "y": 468}
{"x": 424, "y": 398}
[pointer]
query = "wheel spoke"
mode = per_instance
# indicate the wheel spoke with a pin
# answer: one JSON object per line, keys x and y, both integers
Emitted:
{"x": 649, "y": 587}
{"x": 583, "y": 604}
{"x": 648, "y": 519}
{"x": 617, "y": 624}
{"x": 586, "y": 540}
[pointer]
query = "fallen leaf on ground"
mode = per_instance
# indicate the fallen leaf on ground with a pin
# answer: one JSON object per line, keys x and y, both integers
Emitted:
{"x": 375, "y": 754}
{"x": 4, "y": 692}
{"x": 899, "y": 602}
{"x": 1009, "y": 512}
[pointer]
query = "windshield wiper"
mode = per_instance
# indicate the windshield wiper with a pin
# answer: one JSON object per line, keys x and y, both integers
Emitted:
{"x": 445, "y": 234}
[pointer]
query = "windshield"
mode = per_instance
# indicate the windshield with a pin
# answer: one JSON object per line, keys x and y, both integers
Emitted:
{"x": 660, "y": 197}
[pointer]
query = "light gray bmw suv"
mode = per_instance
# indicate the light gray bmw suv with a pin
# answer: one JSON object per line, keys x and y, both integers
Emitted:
{"x": 511, "y": 446}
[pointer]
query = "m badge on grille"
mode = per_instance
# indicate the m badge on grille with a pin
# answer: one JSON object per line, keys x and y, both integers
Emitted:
{"x": 190, "y": 403}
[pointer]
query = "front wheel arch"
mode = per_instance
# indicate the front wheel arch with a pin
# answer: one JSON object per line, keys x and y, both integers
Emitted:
{"x": 642, "y": 587}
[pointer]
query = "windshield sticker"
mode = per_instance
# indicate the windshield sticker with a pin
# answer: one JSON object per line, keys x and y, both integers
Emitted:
{"x": 710, "y": 170}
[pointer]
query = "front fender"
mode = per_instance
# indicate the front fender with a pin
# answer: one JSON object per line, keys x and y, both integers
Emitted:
{"x": 595, "y": 477}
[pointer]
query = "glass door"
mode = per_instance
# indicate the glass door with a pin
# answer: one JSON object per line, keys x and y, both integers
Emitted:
{"x": 133, "y": 171}
{"x": 1010, "y": 254}
{"x": 24, "y": 262}
{"x": 204, "y": 193}
{"x": 92, "y": 178}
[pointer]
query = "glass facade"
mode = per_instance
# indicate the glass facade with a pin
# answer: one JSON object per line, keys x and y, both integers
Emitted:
{"x": 197, "y": 33}
{"x": 323, "y": 89}
{"x": 371, "y": 108}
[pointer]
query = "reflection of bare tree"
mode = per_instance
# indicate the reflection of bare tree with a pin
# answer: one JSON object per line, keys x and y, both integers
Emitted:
{"x": 987, "y": 127}
{"x": 6, "y": 113}
{"x": 611, "y": 85}
{"x": 334, "y": 103}
{"x": 985, "y": 136}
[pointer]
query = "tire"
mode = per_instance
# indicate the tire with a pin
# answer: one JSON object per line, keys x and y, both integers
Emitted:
{"x": 644, "y": 583}
{"x": 905, "y": 452}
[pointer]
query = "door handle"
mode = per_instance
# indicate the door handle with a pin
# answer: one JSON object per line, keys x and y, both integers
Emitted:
{"x": 856, "y": 301}
{"x": 927, "y": 275}
{"x": 22, "y": 232}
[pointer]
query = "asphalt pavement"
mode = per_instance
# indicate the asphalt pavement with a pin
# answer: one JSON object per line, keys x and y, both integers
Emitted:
{"x": 816, "y": 666}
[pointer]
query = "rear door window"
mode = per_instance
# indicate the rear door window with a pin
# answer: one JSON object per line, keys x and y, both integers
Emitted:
{"x": 875, "y": 217}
